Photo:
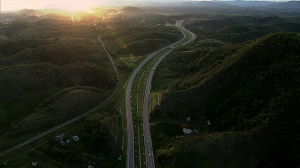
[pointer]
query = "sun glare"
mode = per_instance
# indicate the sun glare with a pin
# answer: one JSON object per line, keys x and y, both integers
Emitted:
{"x": 68, "y": 5}
{"x": 80, "y": 5}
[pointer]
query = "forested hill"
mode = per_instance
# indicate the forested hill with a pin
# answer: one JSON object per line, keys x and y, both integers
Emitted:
{"x": 263, "y": 85}
{"x": 251, "y": 95}
{"x": 244, "y": 86}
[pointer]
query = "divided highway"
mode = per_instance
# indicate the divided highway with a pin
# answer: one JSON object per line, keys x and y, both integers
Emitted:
{"x": 139, "y": 143}
{"x": 136, "y": 102}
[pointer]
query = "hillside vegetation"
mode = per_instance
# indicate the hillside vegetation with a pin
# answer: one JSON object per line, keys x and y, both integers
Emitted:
{"x": 249, "y": 79}
{"x": 44, "y": 61}
{"x": 237, "y": 29}
{"x": 190, "y": 66}
{"x": 140, "y": 38}
{"x": 248, "y": 91}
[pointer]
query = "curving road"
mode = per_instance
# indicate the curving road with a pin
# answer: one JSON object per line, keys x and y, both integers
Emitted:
{"x": 130, "y": 131}
{"x": 157, "y": 57}
{"x": 73, "y": 119}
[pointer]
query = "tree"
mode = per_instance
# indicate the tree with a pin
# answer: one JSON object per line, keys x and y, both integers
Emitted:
{"x": 95, "y": 130}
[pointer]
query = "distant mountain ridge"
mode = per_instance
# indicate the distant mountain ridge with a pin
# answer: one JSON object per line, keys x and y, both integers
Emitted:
{"x": 252, "y": 3}
{"x": 129, "y": 10}
{"x": 30, "y": 12}
{"x": 239, "y": 3}
{"x": 286, "y": 5}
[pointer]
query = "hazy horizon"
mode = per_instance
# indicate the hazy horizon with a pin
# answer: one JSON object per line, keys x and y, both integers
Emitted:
{"x": 9, "y": 5}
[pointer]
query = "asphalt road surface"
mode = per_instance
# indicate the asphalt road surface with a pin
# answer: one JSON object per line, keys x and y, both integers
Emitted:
{"x": 130, "y": 163}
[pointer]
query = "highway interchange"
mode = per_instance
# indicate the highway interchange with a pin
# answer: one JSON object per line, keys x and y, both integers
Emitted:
{"x": 139, "y": 147}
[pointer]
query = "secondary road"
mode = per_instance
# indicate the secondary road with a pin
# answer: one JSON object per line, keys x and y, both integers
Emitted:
{"x": 73, "y": 119}
{"x": 145, "y": 71}
{"x": 111, "y": 60}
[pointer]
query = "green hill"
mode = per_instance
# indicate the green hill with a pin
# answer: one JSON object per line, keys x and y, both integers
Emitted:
{"x": 36, "y": 70}
{"x": 139, "y": 40}
{"x": 252, "y": 88}
{"x": 243, "y": 80}
{"x": 237, "y": 29}
{"x": 142, "y": 47}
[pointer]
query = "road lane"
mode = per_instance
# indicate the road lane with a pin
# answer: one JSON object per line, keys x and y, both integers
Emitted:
{"x": 130, "y": 130}
{"x": 146, "y": 127}
{"x": 161, "y": 54}
{"x": 147, "y": 134}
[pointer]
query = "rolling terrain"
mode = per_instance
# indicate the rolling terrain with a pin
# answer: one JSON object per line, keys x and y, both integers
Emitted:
{"x": 138, "y": 91}
{"x": 48, "y": 80}
{"x": 247, "y": 92}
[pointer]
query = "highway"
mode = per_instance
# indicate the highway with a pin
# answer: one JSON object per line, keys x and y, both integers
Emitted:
{"x": 143, "y": 88}
{"x": 73, "y": 119}
{"x": 137, "y": 93}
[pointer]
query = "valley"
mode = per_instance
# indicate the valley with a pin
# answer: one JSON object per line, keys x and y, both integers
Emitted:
{"x": 203, "y": 84}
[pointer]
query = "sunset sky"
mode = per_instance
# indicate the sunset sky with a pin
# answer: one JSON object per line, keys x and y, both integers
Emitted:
{"x": 50, "y": 4}
{"x": 73, "y": 5}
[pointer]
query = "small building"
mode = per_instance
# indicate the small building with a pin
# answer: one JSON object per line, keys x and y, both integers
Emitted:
{"x": 34, "y": 163}
{"x": 62, "y": 143}
{"x": 75, "y": 138}
{"x": 187, "y": 131}
{"x": 188, "y": 119}
{"x": 208, "y": 122}
{"x": 59, "y": 138}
